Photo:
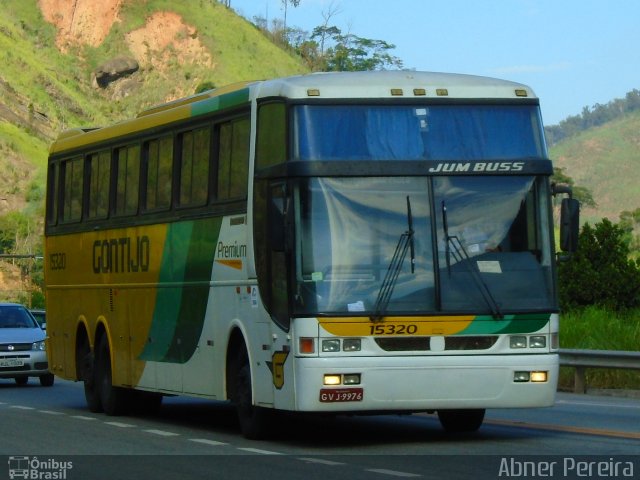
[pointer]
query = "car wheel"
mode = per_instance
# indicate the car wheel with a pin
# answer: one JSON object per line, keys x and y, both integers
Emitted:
{"x": 21, "y": 380}
{"x": 47, "y": 380}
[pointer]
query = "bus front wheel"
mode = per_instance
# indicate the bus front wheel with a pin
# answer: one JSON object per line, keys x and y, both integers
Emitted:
{"x": 458, "y": 421}
{"x": 254, "y": 421}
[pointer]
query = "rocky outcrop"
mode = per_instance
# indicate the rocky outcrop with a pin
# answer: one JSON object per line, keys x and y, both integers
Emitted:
{"x": 113, "y": 70}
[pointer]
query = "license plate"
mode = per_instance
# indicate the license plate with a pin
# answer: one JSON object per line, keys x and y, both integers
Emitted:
{"x": 341, "y": 395}
{"x": 11, "y": 362}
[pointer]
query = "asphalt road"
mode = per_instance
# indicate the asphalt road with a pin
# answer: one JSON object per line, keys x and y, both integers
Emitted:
{"x": 51, "y": 431}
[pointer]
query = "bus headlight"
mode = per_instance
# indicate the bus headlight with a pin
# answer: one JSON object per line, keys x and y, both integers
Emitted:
{"x": 518, "y": 341}
{"x": 351, "y": 379}
{"x": 352, "y": 345}
{"x": 537, "y": 341}
{"x": 331, "y": 379}
{"x": 539, "y": 377}
{"x": 331, "y": 345}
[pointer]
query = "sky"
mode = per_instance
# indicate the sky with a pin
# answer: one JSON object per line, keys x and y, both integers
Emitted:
{"x": 573, "y": 53}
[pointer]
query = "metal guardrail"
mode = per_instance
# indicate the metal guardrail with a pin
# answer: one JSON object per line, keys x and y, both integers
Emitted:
{"x": 583, "y": 359}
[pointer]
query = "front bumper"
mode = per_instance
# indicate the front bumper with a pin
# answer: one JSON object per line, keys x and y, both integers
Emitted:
{"x": 23, "y": 364}
{"x": 410, "y": 384}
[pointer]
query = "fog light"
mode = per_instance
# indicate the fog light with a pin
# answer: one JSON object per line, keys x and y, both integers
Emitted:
{"x": 332, "y": 345}
{"x": 521, "y": 376}
{"x": 539, "y": 377}
{"x": 307, "y": 345}
{"x": 332, "y": 379}
{"x": 351, "y": 379}
{"x": 538, "y": 341}
{"x": 351, "y": 344}
{"x": 518, "y": 342}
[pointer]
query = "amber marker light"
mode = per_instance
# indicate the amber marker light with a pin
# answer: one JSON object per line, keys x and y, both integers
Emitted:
{"x": 307, "y": 345}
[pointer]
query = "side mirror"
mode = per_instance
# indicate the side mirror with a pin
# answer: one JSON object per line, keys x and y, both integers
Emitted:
{"x": 569, "y": 224}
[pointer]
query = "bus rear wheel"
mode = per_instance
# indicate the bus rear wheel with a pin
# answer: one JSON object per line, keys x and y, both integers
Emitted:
{"x": 112, "y": 399}
{"x": 458, "y": 421}
{"x": 85, "y": 360}
{"x": 254, "y": 421}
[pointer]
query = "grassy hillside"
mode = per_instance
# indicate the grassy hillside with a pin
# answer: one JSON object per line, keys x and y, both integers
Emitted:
{"x": 46, "y": 84}
{"x": 606, "y": 160}
{"x": 44, "y": 91}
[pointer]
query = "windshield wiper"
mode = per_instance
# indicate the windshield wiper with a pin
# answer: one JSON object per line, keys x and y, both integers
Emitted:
{"x": 405, "y": 243}
{"x": 461, "y": 256}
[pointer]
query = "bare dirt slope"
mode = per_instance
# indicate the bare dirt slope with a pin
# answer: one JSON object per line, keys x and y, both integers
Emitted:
{"x": 87, "y": 22}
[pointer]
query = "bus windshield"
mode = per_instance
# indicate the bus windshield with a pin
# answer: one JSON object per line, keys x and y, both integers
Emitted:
{"x": 434, "y": 132}
{"x": 482, "y": 234}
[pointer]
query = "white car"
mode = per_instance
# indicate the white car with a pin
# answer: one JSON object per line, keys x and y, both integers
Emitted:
{"x": 22, "y": 346}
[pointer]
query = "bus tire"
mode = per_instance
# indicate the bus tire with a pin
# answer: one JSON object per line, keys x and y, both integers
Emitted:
{"x": 112, "y": 399}
{"x": 459, "y": 421}
{"x": 254, "y": 421}
{"x": 85, "y": 360}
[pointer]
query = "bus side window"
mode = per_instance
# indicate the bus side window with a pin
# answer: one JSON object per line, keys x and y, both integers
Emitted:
{"x": 128, "y": 180}
{"x": 195, "y": 151}
{"x": 159, "y": 170}
{"x": 73, "y": 171}
{"x": 53, "y": 193}
{"x": 99, "y": 177}
{"x": 233, "y": 159}
{"x": 272, "y": 135}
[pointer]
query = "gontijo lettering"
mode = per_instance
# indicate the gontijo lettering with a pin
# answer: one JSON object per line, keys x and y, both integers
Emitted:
{"x": 121, "y": 255}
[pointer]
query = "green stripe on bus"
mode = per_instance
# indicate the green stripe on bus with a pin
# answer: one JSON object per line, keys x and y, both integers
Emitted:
{"x": 179, "y": 312}
{"x": 227, "y": 100}
{"x": 195, "y": 295}
{"x": 486, "y": 324}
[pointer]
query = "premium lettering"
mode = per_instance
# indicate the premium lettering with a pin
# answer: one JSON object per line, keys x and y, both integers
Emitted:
{"x": 121, "y": 255}
{"x": 231, "y": 251}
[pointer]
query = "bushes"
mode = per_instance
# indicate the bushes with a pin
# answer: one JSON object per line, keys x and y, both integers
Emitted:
{"x": 600, "y": 272}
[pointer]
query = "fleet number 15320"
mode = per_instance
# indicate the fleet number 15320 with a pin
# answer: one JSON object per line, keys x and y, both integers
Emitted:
{"x": 393, "y": 329}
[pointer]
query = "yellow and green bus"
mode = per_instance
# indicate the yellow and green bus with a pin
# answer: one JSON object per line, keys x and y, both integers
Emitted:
{"x": 342, "y": 242}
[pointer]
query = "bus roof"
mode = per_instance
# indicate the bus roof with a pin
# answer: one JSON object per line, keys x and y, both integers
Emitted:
{"x": 387, "y": 84}
{"x": 332, "y": 85}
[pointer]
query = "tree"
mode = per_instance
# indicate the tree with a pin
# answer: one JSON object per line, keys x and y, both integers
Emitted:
{"x": 600, "y": 272}
{"x": 285, "y": 3}
{"x": 581, "y": 193}
{"x": 347, "y": 52}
